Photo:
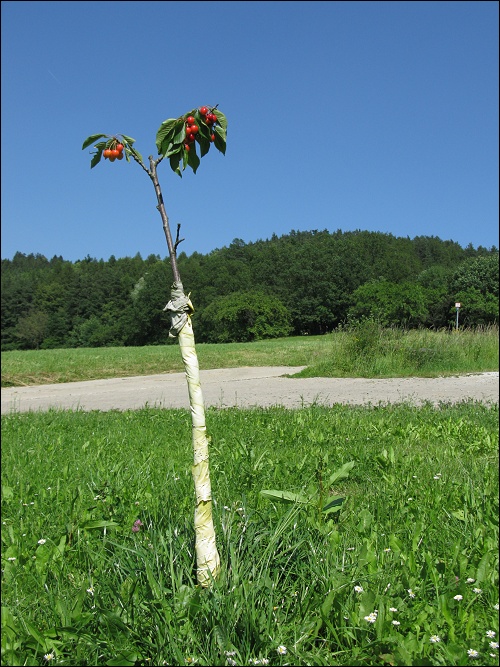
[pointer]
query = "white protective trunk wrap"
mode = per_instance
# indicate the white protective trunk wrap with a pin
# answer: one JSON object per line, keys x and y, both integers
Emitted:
{"x": 207, "y": 556}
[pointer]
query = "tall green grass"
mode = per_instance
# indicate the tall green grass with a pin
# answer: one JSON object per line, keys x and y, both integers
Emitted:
{"x": 365, "y": 350}
{"x": 417, "y": 533}
{"x": 369, "y": 350}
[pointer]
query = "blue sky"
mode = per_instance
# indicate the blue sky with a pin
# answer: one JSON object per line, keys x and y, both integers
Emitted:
{"x": 379, "y": 116}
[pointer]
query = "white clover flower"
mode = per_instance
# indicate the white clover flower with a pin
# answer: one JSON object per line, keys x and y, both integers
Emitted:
{"x": 90, "y": 590}
{"x": 396, "y": 623}
{"x": 495, "y": 606}
{"x": 229, "y": 654}
{"x": 437, "y": 476}
{"x": 411, "y": 593}
{"x": 470, "y": 580}
{"x": 264, "y": 661}
{"x": 387, "y": 550}
{"x": 493, "y": 644}
{"x": 434, "y": 639}
{"x": 477, "y": 590}
{"x": 490, "y": 633}
{"x": 231, "y": 662}
{"x": 358, "y": 589}
{"x": 472, "y": 653}
{"x": 281, "y": 650}
{"x": 48, "y": 656}
{"x": 371, "y": 618}
{"x": 42, "y": 541}
{"x": 393, "y": 609}
{"x": 11, "y": 558}
{"x": 458, "y": 597}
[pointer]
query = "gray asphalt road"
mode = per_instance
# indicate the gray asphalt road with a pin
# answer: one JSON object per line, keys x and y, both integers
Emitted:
{"x": 247, "y": 387}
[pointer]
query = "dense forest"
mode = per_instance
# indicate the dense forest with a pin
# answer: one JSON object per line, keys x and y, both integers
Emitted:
{"x": 299, "y": 283}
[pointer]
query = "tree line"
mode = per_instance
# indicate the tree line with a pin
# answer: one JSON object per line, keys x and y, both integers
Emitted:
{"x": 308, "y": 282}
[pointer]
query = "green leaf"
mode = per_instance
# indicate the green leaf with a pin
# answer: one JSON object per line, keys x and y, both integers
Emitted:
{"x": 326, "y": 607}
{"x": 341, "y": 473}
{"x": 334, "y": 504}
{"x": 367, "y": 604}
{"x": 136, "y": 153}
{"x": 173, "y": 149}
{"x": 204, "y": 144}
{"x": 193, "y": 159}
{"x": 179, "y": 133}
{"x": 482, "y": 568}
{"x": 154, "y": 585}
{"x": 444, "y": 609}
{"x": 165, "y": 131}
{"x": 220, "y": 140}
{"x": 185, "y": 158}
{"x": 36, "y": 634}
{"x": 221, "y": 120}
{"x": 175, "y": 160}
{"x": 100, "y": 523}
{"x": 285, "y": 496}
{"x": 92, "y": 139}
{"x": 129, "y": 140}
{"x": 365, "y": 521}
{"x": 96, "y": 159}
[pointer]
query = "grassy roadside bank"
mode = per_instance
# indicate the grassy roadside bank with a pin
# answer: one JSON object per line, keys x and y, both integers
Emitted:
{"x": 367, "y": 351}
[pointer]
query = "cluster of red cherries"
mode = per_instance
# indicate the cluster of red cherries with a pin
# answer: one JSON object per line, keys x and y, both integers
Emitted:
{"x": 192, "y": 129}
{"x": 114, "y": 153}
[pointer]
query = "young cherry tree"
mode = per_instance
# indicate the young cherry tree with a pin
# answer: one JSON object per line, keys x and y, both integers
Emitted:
{"x": 177, "y": 139}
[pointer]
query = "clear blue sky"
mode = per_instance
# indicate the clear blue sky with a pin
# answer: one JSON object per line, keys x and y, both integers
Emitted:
{"x": 379, "y": 116}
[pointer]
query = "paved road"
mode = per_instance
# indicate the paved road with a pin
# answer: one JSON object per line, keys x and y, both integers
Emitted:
{"x": 247, "y": 387}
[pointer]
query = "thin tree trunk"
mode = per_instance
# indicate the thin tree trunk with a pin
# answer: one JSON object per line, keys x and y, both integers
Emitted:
{"x": 180, "y": 309}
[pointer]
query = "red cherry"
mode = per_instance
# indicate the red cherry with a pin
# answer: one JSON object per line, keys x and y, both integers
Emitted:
{"x": 119, "y": 147}
{"x": 194, "y": 129}
{"x": 119, "y": 156}
{"x": 212, "y": 138}
{"x": 203, "y": 111}
{"x": 190, "y": 120}
{"x": 187, "y": 147}
{"x": 191, "y": 137}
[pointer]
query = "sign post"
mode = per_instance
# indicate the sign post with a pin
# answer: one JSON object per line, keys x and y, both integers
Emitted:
{"x": 457, "y": 306}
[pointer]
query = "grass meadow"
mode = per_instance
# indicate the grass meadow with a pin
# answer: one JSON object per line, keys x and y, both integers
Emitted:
{"x": 386, "y": 552}
{"x": 366, "y": 350}
{"x": 404, "y": 573}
